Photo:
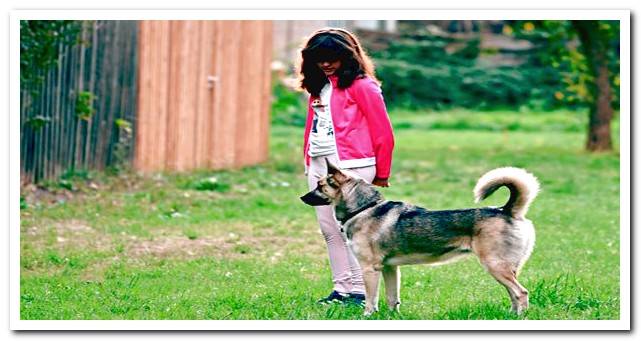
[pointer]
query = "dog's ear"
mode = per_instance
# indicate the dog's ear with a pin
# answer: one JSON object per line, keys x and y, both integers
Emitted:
{"x": 331, "y": 168}
{"x": 336, "y": 172}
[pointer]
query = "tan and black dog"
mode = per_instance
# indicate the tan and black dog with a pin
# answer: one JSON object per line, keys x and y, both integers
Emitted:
{"x": 385, "y": 234}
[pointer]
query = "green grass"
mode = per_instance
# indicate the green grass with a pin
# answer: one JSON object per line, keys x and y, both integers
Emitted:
{"x": 239, "y": 244}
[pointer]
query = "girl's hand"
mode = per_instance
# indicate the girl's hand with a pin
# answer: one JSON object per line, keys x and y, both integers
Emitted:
{"x": 380, "y": 182}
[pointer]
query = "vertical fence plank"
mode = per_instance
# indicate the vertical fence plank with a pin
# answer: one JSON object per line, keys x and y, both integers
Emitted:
{"x": 24, "y": 98}
{"x": 205, "y": 49}
{"x": 188, "y": 95}
{"x": 265, "y": 104}
{"x": 175, "y": 69}
{"x": 129, "y": 96}
{"x": 127, "y": 75}
{"x": 64, "y": 69}
{"x": 162, "y": 99}
{"x": 95, "y": 69}
{"x": 80, "y": 87}
{"x": 107, "y": 125}
{"x": 215, "y": 154}
{"x": 53, "y": 146}
{"x": 142, "y": 157}
{"x": 244, "y": 73}
{"x": 47, "y": 131}
{"x": 246, "y": 95}
{"x": 44, "y": 132}
{"x": 215, "y": 100}
{"x": 229, "y": 86}
{"x": 103, "y": 64}
{"x": 68, "y": 117}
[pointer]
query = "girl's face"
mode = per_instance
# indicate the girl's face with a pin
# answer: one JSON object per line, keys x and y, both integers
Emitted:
{"x": 329, "y": 67}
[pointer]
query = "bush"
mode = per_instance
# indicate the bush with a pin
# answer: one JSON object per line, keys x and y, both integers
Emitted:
{"x": 211, "y": 184}
{"x": 288, "y": 106}
{"x": 422, "y": 72}
{"x": 416, "y": 86}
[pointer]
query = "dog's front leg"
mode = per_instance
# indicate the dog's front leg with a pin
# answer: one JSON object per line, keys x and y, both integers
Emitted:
{"x": 371, "y": 277}
{"x": 392, "y": 278}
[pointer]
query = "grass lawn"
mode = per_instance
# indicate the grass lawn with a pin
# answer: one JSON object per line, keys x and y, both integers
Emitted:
{"x": 239, "y": 244}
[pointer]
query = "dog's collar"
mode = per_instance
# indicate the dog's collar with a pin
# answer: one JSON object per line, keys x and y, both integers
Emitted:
{"x": 351, "y": 215}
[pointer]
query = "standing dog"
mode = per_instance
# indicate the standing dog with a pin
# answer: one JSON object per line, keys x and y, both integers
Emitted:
{"x": 385, "y": 234}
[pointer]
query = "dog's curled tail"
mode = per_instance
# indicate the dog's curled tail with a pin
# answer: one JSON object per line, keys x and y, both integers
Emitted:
{"x": 523, "y": 188}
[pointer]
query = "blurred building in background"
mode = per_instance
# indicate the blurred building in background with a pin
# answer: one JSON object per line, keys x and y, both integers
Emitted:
{"x": 289, "y": 35}
{"x": 497, "y": 45}
{"x": 501, "y": 48}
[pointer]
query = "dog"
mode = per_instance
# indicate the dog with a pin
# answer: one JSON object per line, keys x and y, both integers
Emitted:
{"x": 386, "y": 234}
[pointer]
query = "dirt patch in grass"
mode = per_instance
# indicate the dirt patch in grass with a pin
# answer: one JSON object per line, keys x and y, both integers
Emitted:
{"x": 166, "y": 243}
{"x": 34, "y": 194}
{"x": 232, "y": 247}
{"x": 64, "y": 235}
{"x": 98, "y": 249}
{"x": 73, "y": 226}
{"x": 173, "y": 246}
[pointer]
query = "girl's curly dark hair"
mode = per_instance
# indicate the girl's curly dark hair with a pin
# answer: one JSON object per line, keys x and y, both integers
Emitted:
{"x": 332, "y": 44}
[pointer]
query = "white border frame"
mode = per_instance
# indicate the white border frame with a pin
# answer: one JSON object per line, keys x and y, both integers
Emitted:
{"x": 279, "y": 14}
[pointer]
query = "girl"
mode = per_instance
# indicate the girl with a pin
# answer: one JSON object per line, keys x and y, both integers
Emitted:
{"x": 347, "y": 124}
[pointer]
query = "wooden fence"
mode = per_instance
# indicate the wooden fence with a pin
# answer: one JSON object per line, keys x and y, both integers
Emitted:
{"x": 195, "y": 93}
{"x": 204, "y": 92}
{"x": 102, "y": 68}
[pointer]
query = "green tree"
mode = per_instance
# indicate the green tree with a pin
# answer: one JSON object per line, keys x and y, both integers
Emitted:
{"x": 39, "y": 46}
{"x": 588, "y": 52}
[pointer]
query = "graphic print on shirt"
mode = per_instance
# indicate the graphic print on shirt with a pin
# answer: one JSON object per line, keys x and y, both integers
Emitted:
{"x": 321, "y": 138}
{"x": 321, "y": 123}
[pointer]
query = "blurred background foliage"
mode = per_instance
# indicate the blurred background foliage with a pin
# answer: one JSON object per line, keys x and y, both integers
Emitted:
{"x": 557, "y": 47}
{"x": 432, "y": 69}
{"x": 523, "y": 65}
{"x": 40, "y": 41}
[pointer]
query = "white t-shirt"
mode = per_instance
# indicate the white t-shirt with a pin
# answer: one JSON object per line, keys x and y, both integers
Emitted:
{"x": 321, "y": 136}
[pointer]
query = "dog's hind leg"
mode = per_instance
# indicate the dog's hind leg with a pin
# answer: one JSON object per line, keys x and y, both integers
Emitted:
{"x": 392, "y": 278}
{"x": 505, "y": 274}
{"x": 503, "y": 248}
{"x": 371, "y": 277}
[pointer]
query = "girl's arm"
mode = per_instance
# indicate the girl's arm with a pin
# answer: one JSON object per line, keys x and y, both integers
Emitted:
{"x": 308, "y": 126}
{"x": 369, "y": 97}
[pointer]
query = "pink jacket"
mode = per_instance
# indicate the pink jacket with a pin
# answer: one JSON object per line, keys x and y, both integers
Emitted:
{"x": 362, "y": 128}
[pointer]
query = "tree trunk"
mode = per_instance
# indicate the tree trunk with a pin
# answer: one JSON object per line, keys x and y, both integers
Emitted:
{"x": 595, "y": 50}
{"x": 601, "y": 113}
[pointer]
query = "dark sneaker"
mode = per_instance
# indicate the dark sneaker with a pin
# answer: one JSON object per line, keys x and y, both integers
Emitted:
{"x": 357, "y": 299}
{"x": 334, "y": 297}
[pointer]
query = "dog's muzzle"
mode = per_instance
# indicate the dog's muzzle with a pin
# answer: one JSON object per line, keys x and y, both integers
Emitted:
{"x": 315, "y": 198}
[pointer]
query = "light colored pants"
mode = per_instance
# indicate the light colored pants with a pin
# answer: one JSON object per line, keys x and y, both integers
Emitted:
{"x": 346, "y": 273}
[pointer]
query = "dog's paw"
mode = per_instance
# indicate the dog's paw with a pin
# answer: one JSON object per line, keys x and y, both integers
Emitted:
{"x": 519, "y": 311}
{"x": 369, "y": 311}
{"x": 395, "y": 307}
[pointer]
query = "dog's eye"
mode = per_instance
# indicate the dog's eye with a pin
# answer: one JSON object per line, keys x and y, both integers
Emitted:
{"x": 332, "y": 183}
